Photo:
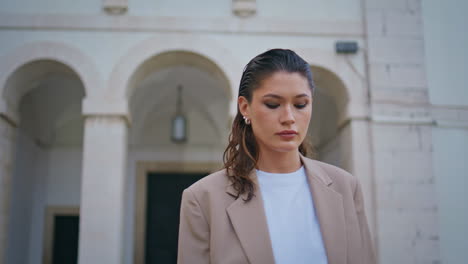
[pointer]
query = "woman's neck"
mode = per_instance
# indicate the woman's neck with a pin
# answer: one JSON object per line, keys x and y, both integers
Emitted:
{"x": 279, "y": 162}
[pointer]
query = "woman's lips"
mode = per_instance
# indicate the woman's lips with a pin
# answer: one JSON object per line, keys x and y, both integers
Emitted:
{"x": 287, "y": 134}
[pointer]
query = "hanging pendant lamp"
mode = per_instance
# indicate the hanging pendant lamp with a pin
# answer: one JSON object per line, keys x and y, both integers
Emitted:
{"x": 179, "y": 121}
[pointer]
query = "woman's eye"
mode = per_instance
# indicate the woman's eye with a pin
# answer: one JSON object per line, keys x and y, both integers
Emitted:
{"x": 272, "y": 106}
{"x": 300, "y": 106}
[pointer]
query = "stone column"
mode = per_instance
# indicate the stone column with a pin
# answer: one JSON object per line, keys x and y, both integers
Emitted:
{"x": 401, "y": 130}
{"x": 103, "y": 190}
{"x": 7, "y": 146}
{"x": 362, "y": 167}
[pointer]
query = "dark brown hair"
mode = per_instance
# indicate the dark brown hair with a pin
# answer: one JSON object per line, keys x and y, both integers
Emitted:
{"x": 241, "y": 154}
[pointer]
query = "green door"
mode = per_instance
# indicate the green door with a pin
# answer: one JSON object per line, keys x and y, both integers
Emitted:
{"x": 65, "y": 241}
{"x": 164, "y": 193}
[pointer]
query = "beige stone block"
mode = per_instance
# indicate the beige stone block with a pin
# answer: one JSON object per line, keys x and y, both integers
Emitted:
{"x": 393, "y": 50}
{"x": 425, "y": 138}
{"x": 393, "y": 250}
{"x": 414, "y": 5}
{"x": 406, "y": 196}
{"x": 443, "y": 113}
{"x": 392, "y": 137}
{"x": 428, "y": 252}
{"x": 450, "y": 116}
{"x": 396, "y": 113}
{"x": 388, "y": 137}
{"x": 385, "y": 4}
{"x": 397, "y": 75}
{"x": 375, "y": 23}
{"x": 410, "y": 167}
{"x": 403, "y": 23}
{"x": 383, "y": 166}
{"x": 399, "y": 96}
{"x": 406, "y": 225}
{"x": 405, "y": 236}
{"x": 463, "y": 114}
{"x": 403, "y": 167}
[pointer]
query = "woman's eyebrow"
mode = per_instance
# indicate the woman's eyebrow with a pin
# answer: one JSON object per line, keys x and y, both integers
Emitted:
{"x": 302, "y": 95}
{"x": 273, "y": 95}
{"x": 280, "y": 97}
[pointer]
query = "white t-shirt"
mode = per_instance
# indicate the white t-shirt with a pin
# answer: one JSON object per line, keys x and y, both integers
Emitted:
{"x": 292, "y": 223}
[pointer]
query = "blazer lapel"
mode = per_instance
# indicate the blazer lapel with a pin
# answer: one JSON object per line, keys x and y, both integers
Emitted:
{"x": 250, "y": 224}
{"x": 329, "y": 210}
{"x": 249, "y": 221}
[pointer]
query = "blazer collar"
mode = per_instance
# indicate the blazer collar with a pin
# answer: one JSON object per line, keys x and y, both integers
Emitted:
{"x": 250, "y": 224}
{"x": 329, "y": 209}
{"x": 311, "y": 167}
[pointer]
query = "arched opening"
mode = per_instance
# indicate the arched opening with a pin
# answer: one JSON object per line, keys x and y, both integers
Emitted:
{"x": 329, "y": 132}
{"x": 164, "y": 167}
{"x": 46, "y": 179}
{"x": 205, "y": 98}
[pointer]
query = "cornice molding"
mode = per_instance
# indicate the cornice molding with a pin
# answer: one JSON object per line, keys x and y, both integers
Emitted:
{"x": 230, "y": 25}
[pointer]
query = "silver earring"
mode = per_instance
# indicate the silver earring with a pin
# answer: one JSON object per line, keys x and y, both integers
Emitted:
{"x": 246, "y": 120}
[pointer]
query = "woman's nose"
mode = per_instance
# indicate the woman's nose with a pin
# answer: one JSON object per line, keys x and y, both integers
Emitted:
{"x": 287, "y": 115}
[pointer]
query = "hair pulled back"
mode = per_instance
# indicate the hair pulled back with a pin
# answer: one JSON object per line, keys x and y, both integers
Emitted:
{"x": 241, "y": 154}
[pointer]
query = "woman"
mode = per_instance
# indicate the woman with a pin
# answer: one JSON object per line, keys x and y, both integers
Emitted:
{"x": 271, "y": 204}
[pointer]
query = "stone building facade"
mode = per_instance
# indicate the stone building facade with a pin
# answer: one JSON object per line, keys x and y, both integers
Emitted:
{"x": 88, "y": 92}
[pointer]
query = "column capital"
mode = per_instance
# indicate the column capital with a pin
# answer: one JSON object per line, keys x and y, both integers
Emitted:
{"x": 108, "y": 118}
{"x": 94, "y": 108}
{"x": 7, "y": 113}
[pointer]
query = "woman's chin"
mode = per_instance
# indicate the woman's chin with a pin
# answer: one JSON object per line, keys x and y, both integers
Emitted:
{"x": 285, "y": 148}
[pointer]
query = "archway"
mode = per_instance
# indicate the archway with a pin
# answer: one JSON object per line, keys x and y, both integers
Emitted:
{"x": 165, "y": 167}
{"x": 47, "y": 95}
{"x": 124, "y": 77}
{"x": 329, "y": 132}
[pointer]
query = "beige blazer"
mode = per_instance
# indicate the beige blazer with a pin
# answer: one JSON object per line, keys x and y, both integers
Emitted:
{"x": 217, "y": 228}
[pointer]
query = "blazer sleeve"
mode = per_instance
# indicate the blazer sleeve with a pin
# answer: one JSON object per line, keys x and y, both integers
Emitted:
{"x": 368, "y": 253}
{"x": 194, "y": 234}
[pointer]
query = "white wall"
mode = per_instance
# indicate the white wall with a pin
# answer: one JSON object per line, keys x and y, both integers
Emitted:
{"x": 297, "y": 9}
{"x": 450, "y": 168}
{"x": 50, "y": 6}
{"x": 27, "y": 197}
{"x": 310, "y": 9}
{"x": 42, "y": 178}
{"x": 20, "y": 210}
{"x": 205, "y": 8}
{"x": 64, "y": 177}
{"x": 446, "y": 42}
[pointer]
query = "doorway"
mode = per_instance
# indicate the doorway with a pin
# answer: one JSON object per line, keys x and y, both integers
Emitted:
{"x": 61, "y": 235}
{"x": 158, "y": 193}
{"x": 65, "y": 244}
{"x": 164, "y": 193}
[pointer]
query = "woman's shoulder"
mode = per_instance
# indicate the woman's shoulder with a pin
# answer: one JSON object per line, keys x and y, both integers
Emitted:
{"x": 332, "y": 169}
{"x": 336, "y": 174}
{"x": 212, "y": 183}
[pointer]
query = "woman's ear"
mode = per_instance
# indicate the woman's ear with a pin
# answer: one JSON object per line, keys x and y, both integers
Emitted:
{"x": 243, "y": 104}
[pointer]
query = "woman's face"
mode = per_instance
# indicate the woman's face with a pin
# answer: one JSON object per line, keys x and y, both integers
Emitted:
{"x": 279, "y": 112}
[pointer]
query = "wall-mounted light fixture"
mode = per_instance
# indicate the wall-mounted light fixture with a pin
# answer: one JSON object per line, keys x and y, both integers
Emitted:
{"x": 179, "y": 121}
{"x": 346, "y": 47}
